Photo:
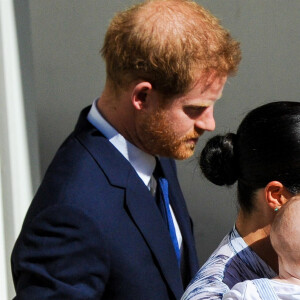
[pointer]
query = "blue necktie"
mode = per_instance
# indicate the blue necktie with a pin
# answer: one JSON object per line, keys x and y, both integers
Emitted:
{"x": 164, "y": 206}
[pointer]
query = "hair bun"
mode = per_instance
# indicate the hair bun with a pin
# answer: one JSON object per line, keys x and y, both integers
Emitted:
{"x": 217, "y": 160}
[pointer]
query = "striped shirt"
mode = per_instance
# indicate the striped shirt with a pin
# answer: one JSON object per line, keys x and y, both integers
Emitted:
{"x": 232, "y": 262}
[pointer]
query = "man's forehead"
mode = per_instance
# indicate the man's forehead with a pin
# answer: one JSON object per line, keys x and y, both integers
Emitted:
{"x": 214, "y": 84}
{"x": 207, "y": 80}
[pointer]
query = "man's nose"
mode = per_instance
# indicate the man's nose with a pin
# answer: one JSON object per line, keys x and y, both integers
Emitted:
{"x": 206, "y": 120}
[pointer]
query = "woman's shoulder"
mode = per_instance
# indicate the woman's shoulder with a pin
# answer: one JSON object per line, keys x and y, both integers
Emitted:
{"x": 216, "y": 263}
{"x": 208, "y": 282}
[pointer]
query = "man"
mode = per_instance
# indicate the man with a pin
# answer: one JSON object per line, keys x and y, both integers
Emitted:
{"x": 109, "y": 220}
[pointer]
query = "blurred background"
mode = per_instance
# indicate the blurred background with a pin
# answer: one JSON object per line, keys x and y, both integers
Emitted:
{"x": 50, "y": 68}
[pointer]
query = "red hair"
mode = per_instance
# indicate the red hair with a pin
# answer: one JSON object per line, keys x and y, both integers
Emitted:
{"x": 168, "y": 43}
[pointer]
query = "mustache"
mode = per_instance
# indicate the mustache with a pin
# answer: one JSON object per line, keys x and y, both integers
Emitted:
{"x": 194, "y": 135}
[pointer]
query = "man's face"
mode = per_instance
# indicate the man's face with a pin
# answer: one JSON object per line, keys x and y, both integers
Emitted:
{"x": 173, "y": 130}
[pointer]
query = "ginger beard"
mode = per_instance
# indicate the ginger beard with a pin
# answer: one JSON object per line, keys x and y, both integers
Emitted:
{"x": 158, "y": 137}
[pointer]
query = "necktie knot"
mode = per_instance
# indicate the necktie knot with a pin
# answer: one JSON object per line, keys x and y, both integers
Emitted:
{"x": 156, "y": 175}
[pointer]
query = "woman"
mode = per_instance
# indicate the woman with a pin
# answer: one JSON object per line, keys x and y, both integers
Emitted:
{"x": 264, "y": 158}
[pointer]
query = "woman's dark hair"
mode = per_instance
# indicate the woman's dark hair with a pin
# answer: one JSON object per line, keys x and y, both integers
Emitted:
{"x": 266, "y": 147}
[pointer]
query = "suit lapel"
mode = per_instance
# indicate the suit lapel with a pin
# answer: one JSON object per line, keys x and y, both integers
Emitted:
{"x": 148, "y": 219}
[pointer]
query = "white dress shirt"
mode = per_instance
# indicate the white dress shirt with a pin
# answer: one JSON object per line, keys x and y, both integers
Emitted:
{"x": 142, "y": 162}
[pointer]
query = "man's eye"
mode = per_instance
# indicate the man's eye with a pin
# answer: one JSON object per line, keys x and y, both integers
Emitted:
{"x": 194, "y": 112}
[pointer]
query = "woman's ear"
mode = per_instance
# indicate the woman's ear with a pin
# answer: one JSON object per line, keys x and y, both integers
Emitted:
{"x": 140, "y": 94}
{"x": 276, "y": 195}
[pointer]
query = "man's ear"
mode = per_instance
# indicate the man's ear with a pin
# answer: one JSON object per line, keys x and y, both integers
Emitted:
{"x": 276, "y": 195}
{"x": 140, "y": 94}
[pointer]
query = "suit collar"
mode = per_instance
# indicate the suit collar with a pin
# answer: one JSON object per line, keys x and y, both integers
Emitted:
{"x": 142, "y": 162}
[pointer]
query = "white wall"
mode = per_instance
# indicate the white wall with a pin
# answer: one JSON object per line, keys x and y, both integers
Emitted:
{"x": 15, "y": 177}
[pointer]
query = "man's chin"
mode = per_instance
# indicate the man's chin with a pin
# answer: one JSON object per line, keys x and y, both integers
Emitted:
{"x": 181, "y": 154}
{"x": 183, "y": 157}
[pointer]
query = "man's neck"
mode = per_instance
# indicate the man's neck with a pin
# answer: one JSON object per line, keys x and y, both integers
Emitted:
{"x": 113, "y": 106}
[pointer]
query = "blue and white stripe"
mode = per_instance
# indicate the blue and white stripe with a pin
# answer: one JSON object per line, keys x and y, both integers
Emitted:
{"x": 232, "y": 262}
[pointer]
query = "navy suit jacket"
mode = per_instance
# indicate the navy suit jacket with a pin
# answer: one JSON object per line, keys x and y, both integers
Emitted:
{"x": 93, "y": 230}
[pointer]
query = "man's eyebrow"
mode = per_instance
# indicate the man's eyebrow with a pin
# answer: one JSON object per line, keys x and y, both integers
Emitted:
{"x": 203, "y": 103}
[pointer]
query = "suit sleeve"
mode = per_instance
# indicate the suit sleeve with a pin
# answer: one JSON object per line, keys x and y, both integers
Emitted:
{"x": 60, "y": 254}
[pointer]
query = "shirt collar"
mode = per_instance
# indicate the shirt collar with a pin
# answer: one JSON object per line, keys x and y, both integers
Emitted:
{"x": 237, "y": 241}
{"x": 142, "y": 162}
